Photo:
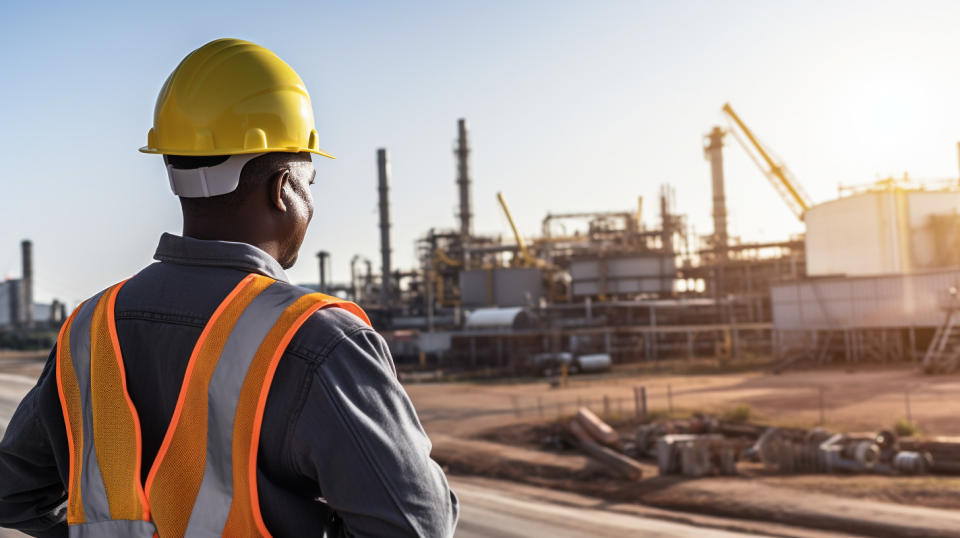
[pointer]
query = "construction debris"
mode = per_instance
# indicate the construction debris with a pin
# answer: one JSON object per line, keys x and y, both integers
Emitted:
{"x": 944, "y": 453}
{"x": 587, "y": 429}
{"x": 697, "y": 455}
{"x": 597, "y": 428}
{"x": 820, "y": 451}
{"x": 705, "y": 446}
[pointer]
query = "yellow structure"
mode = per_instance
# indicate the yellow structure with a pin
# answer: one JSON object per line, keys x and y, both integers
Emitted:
{"x": 776, "y": 172}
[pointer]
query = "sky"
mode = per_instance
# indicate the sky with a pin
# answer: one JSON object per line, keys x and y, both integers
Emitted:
{"x": 572, "y": 106}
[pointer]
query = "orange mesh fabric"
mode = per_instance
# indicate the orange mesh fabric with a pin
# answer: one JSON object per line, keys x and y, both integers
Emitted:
{"x": 116, "y": 430}
{"x": 69, "y": 390}
{"x": 245, "y": 518}
{"x": 178, "y": 471}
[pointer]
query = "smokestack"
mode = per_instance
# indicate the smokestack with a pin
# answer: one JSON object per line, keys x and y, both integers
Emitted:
{"x": 354, "y": 290}
{"x": 462, "y": 153}
{"x": 323, "y": 258}
{"x": 714, "y": 153}
{"x": 383, "y": 169}
{"x": 13, "y": 301}
{"x": 26, "y": 283}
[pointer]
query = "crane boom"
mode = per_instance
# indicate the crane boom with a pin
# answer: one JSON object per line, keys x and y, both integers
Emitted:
{"x": 524, "y": 253}
{"x": 778, "y": 174}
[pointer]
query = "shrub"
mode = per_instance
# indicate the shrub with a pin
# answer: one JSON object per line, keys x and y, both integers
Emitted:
{"x": 905, "y": 428}
{"x": 740, "y": 413}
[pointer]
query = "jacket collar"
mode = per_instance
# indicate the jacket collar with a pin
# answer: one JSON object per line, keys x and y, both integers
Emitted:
{"x": 190, "y": 251}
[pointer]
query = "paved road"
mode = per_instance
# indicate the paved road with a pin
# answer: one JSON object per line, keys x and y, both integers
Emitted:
{"x": 489, "y": 513}
{"x": 12, "y": 389}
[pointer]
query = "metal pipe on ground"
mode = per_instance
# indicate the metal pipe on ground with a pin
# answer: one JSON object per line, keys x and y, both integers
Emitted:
{"x": 623, "y": 465}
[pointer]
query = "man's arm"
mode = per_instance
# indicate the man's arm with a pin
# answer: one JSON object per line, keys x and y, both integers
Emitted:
{"x": 31, "y": 487}
{"x": 359, "y": 438}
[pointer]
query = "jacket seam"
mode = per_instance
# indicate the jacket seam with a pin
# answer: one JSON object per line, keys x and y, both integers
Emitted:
{"x": 297, "y": 411}
{"x": 158, "y": 317}
{"x": 185, "y": 260}
{"x": 323, "y": 353}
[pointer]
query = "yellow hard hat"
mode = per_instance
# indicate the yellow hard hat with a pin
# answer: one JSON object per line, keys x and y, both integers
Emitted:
{"x": 231, "y": 97}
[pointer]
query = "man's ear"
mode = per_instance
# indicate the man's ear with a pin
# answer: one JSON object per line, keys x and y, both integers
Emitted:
{"x": 277, "y": 184}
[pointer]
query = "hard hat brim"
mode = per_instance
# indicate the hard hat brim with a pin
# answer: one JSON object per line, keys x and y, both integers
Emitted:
{"x": 157, "y": 151}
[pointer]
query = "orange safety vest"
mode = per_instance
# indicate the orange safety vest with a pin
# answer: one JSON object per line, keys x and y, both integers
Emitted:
{"x": 203, "y": 480}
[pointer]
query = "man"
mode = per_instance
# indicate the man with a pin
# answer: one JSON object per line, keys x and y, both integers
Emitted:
{"x": 206, "y": 396}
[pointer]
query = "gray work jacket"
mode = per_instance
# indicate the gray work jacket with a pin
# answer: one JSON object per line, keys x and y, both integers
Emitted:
{"x": 342, "y": 451}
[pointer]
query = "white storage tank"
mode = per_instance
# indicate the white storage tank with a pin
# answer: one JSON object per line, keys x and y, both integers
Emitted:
{"x": 888, "y": 301}
{"x": 889, "y": 231}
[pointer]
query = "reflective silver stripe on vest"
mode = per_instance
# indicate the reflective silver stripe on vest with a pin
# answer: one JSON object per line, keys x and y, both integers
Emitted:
{"x": 95, "y": 504}
{"x": 212, "y": 506}
{"x": 119, "y": 528}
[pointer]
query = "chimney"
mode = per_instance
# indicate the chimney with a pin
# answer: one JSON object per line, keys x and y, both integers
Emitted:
{"x": 462, "y": 153}
{"x": 13, "y": 300}
{"x": 383, "y": 183}
{"x": 26, "y": 283}
{"x": 714, "y": 153}
{"x": 323, "y": 257}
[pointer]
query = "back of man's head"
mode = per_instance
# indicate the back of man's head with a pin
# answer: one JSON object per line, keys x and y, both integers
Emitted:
{"x": 270, "y": 207}
{"x": 254, "y": 178}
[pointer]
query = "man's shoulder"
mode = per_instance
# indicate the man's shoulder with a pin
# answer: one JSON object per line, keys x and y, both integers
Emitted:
{"x": 324, "y": 330}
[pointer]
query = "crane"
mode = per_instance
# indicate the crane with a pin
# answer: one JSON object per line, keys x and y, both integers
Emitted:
{"x": 528, "y": 260}
{"x": 777, "y": 172}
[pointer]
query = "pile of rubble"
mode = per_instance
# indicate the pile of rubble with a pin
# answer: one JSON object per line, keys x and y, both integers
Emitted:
{"x": 705, "y": 446}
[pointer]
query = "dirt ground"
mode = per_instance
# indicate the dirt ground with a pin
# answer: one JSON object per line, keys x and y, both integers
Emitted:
{"x": 491, "y": 429}
{"x": 861, "y": 400}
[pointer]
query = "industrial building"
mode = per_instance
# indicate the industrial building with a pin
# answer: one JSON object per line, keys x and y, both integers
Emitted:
{"x": 884, "y": 269}
{"x": 18, "y": 310}
{"x": 870, "y": 279}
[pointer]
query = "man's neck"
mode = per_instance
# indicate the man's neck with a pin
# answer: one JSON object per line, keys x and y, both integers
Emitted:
{"x": 230, "y": 232}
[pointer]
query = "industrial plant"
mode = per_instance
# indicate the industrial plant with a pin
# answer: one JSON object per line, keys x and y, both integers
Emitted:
{"x": 874, "y": 278}
{"x": 24, "y": 322}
